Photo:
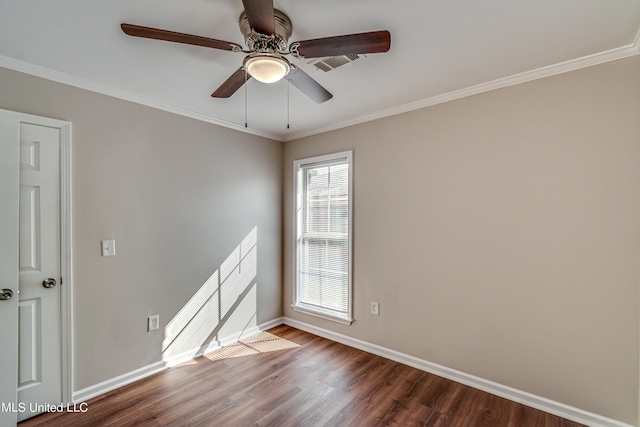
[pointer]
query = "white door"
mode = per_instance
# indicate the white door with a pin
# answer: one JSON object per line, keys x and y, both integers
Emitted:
{"x": 38, "y": 369}
{"x": 9, "y": 226}
{"x": 39, "y": 362}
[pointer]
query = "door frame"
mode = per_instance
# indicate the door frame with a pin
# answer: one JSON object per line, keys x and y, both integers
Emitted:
{"x": 66, "y": 245}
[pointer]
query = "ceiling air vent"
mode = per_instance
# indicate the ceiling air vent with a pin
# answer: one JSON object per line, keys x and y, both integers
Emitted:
{"x": 333, "y": 62}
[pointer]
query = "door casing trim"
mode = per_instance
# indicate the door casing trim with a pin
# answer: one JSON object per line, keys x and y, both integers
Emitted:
{"x": 66, "y": 245}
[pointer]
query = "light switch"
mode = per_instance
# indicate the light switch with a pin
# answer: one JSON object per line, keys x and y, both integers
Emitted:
{"x": 108, "y": 247}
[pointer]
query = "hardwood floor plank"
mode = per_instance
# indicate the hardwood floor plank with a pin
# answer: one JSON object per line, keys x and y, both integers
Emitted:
{"x": 317, "y": 383}
{"x": 324, "y": 409}
{"x": 284, "y": 414}
{"x": 243, "y": 416}
{"x": 414, "y": 414}
{"x": 389, "y": 397}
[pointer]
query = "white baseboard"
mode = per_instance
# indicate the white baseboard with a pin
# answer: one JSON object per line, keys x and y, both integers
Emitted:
{"x": 528, "y": 399}
{"x": 138, "y": 374}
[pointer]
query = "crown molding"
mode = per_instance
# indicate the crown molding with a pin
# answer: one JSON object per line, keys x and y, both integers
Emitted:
{"x": 527, "y": 76}
{"x": 68, "y": 79}
{"x": 539, "y": 73}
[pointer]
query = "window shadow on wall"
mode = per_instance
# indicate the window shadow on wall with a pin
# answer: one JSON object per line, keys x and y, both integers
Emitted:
{"x": 224, "y": 308}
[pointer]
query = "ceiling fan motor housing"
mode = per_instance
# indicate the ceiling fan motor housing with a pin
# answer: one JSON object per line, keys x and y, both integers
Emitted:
{"x": 264, "y": 42}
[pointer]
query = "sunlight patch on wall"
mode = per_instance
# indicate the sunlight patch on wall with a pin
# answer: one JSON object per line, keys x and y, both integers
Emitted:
{"x": 224, "y": 306}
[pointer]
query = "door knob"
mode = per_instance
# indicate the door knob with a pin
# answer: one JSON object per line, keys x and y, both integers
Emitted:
{"x": 5, "y": 294}
{"x": 49, "y": 283}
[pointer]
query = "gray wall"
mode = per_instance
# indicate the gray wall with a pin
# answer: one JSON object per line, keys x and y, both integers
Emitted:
{"x": 501, "y": 235}
{"x": 178, "y": 196}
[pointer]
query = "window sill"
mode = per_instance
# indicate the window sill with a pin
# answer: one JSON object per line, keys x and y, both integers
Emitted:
{"x": 322, "y": 314}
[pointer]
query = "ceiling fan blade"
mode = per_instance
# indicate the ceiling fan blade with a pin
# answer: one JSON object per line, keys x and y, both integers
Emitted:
{"x": 372, "y": 42}
{"x": 232, "y": 84}
{"x": 172, "y": 36}
{"x": 260, "y": 15}
{"x": 307, "y": 85}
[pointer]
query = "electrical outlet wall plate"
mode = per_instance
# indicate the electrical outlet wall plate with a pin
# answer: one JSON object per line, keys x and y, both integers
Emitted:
{"x": 375, "y": 308}
{"x": 153, "y": 323}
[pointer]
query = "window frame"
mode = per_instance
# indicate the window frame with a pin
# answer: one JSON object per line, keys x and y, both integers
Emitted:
{"x": 298, "y": 167}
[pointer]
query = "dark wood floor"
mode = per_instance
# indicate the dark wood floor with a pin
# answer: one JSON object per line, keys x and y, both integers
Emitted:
{"x": 298, "y": 379}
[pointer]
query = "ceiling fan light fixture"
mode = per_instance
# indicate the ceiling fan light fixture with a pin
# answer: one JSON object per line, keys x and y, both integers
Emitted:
{"x": 267, "y": 67}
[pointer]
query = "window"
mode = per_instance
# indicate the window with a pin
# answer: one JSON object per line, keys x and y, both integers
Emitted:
{"x": 323, "y": 236}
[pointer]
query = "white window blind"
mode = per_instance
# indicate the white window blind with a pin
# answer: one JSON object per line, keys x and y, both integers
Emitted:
{"x": 323, "y": 247}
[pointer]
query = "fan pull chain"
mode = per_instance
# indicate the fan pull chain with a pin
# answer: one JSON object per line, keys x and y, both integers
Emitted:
{"x": 245, "y": 97}
{"x": 288, "y": 103}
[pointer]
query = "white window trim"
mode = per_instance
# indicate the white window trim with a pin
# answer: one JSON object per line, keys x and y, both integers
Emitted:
{"x": 344, "y": 155}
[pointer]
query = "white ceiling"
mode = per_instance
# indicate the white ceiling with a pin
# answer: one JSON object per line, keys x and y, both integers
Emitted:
{"x": 440, "y": 50}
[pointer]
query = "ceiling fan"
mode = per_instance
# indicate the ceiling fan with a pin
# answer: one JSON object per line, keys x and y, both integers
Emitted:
{"x": 266, "y": 32}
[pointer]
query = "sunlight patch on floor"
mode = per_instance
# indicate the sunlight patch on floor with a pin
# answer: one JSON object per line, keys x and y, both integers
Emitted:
{"x": 263, "y": 342}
